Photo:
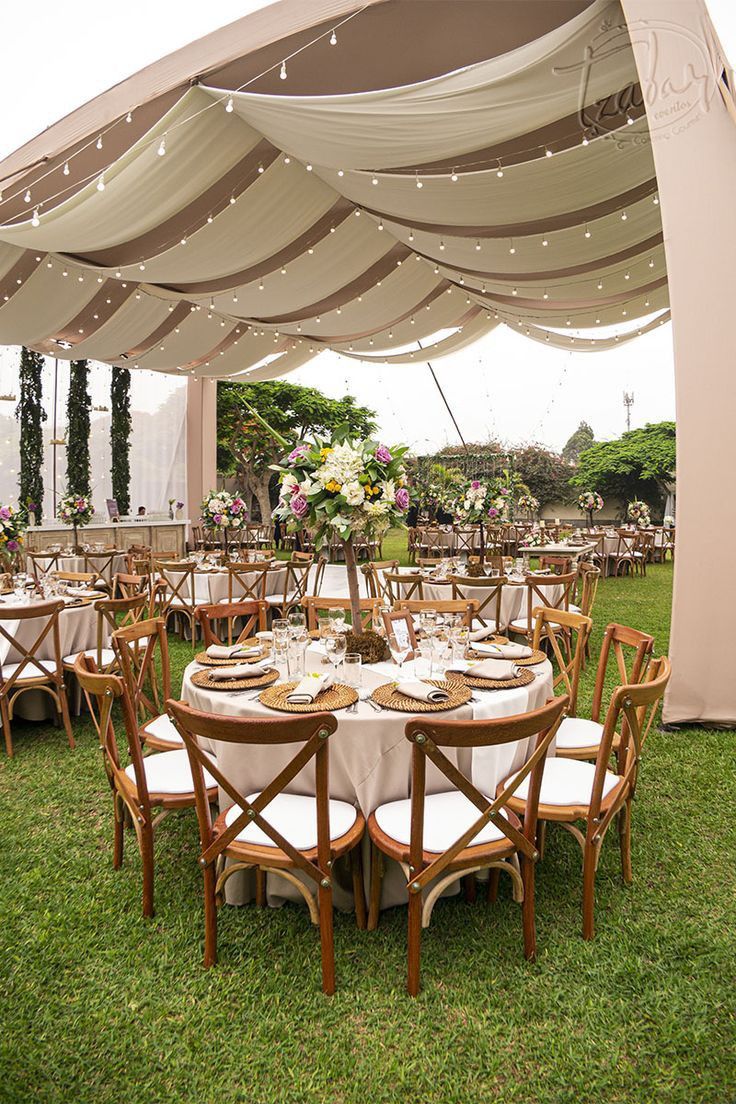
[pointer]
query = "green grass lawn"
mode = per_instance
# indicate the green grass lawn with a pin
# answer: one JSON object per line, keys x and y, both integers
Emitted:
{"x": 98, "y": 1004}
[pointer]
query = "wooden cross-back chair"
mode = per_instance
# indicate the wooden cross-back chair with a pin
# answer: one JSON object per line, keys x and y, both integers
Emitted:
{"x": 623, "y": 557}
{"x": 302, "y": 557}
{"x": 572, "y": 790}
{"x": 547, "y": 634}
{"x": 272, "y": 830}
{"x": 112, "y": 614}
{"x": 556, "y": 565}
{"x": 550, "y": 591}
{"x": 486, "y": 592}
{"x": 429, "y": 561}
{"x": 494, "y": 561}
{"x": 296, "y": 584}
{"x": 318, "y": 575}
{"x": 374, "y": 572}
{"x": 42, "y": 563}
{"x": 430, "y": 541}
{"x": 466, "y": 609}
{"x": 24, "y": 669}
{"x": 643, "y": 551}
{"x": 411, "y": 543}
{"x": 397, "y": 585}
{"x": 146, "y": 789}
{"x": 100, "y": 565}
{"x": 439, "y": 838}
{"x": 176, "y": 592}
{"x": 252, "y": 614}
{"x": 143, "y": 654}
{"x": 247, "y": 581}
{"x": 631, "y": 650}
{"x": 314, "y": 605}
{"x": 85, "y": 577}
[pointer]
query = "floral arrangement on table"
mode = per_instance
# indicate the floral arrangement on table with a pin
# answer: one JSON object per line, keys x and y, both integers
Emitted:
{"x": 33, "y": 512}
{"x": 669, "y": 521}
{"x": 174, "y": 507}
{"x": 12, "y": 529}
{"x": 482, "y": 503}
{"x": 534, "y": 539}
{"x": 638, "y": 512}
{"x": 343, "y": 486}
{"x": 590, "y": 502}
{"x": 529, "y": 504}
{"x": 222, "y": 510}
{"x": 75, "y": 510}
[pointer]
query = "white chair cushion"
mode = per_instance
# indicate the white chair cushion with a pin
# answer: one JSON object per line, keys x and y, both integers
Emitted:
{"x": 107, "y": 656}
{"x": 162, "y": 728}
{"x": 295, "y": 818}
{"x": 578, "y": 732}
{"x": 30, "y": 670}
{"x": 446, "y": 817}
{"x": 489, "y": 624}
{"x": 575, "y": 609}
{"x": 169, "y": 772}
{"x": 567, "y": 782}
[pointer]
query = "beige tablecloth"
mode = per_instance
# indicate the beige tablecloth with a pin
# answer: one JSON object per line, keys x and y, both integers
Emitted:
{"x": 370, "y": 760}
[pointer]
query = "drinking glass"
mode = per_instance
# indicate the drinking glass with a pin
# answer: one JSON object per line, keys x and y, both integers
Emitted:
{"x": 296, "y": 656}
{"x": 352, "y": 670}
{"x": 338, "y": 619}
{"x": 428, "y": 622}
{"x": 297, "y": 623}
{"x": 20, "y": 582}
{"x": 335, "y": 647}
{"x": 399, "y": 650}
{"x": 423, "y": 660}
{"x": 324, "y": 624}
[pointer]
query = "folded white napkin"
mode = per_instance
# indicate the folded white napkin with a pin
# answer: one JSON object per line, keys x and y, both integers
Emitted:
{"x": 231, "y": 651}
{"x": 482, "y": 634}
{"x": 498, "y": 669}
{"x": 422, "y": 691}
{"x": 237, "y": 671}
{"x": 504, "y": 651}
{"x": 307, "y": 690}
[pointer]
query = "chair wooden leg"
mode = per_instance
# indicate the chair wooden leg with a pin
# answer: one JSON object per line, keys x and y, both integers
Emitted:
{"x": 470, "y": 888}
{"x": 210, "y": 916}
{"x": 119, "y": 834}
{"x": 527, "y": 909}
{"x": 356, "y": 868}
{"x": 260, "y": 887}
{"x": 65, "y": 715}
{"x": 541, "y": 837}
{"x": 589, "y": 858}
{"x": 5, "y": 718}
{"x": 494, "y": 875}
{"x": 327, "y": 939}
{"x": 624, "y": 837}
{"x": 375, "y": 891}
{"x": 415, "y": 938}
{"x": 147, "y": 858}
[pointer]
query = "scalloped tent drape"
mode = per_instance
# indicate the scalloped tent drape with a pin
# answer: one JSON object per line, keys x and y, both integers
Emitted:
{"x": 441, "y": 170}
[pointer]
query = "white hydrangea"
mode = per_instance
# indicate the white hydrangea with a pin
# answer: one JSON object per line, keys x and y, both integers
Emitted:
{"x": 354, "y": 493}
{"x": 389, "y": 489}
{"x": 344, "y": 464}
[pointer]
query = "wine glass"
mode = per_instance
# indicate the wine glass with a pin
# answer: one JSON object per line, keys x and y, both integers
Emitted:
{"x": 297, "y": 623}
{"x": 335, "y": 647}
{"x": 399, "y": 650}
{"x": 428, "y": 622}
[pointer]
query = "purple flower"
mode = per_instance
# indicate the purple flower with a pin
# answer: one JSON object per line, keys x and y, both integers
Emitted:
{"x": 13, "y": 546}
{"x": 217, "y": 519}
{"x": 33, "y": 507}
{"x": 504, "y": 490}
{"x": 383, "y": 455}
{"x": 402, "y": 498}
{"x": 180, "y": 505}
{"x": 493, "y": 512}
{"x": 299, "y": 505}
{"x": 475, "y": 484}
{"x": 5, "y": 512}
{"x": 297, "y": 453}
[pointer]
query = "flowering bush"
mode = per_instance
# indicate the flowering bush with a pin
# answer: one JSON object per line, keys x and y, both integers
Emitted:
{"x": 342, "y": 486}
{"x": 638, "y": 512}
{"x": 76, "y": 510}
{"x": 590, "y": 501}
{"x": 12, "y": 528}
{"x": 221, "y": 510}
{"x": 529, "y": 503}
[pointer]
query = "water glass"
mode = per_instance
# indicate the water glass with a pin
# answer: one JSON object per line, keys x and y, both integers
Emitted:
{"x": 335, "y": 647}
{"x": 297, "y": 623}
{"x": 399, "y": 650}
{"x": 338, "y": 620}
{"x": 423, "y": 660}
{"x": 352, "y": 670}
{"x": 325, "y": 627}
{"x": 296, "y": 657}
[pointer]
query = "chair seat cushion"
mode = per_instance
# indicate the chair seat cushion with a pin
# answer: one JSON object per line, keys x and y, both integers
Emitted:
{"x": 295, "y": 818}
{"x": 30, "y": 670}
{"x": 169, "y": 772}
{"x": 446, "y": 817}
{"x": 567, "y": 782}
{"x": 579, "y": 732}
{"x": 107, "y": 656}
{"x": 162, "y": 727}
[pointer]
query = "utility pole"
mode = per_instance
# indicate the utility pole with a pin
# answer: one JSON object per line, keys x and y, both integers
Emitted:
{"x": 628, "y": 403}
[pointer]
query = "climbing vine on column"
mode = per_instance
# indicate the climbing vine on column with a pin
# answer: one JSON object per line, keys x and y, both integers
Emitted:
{"x": 31, "y": 415}
{"x": 120, "y": 437}
{"x": 78, "y": 430}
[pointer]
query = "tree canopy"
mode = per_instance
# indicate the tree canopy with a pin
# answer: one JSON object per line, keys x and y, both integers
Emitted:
{"x": 637, "y": 465}
{"x": 578, "y": 442}
{"x": 245, "y": 448}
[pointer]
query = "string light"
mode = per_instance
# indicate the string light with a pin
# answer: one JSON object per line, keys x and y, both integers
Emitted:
{"x": 374, "y": 180}
{"x": 101, "y": 183}
{"x": 545, "y": 241}
{"x": 98, "y": 143}
{"x": 547, "y": 152}
{"x": 229, "y": 106}
{"x": 35, "y": 221}
{"x": 27, "y": 196}
{"x": 599, "y": 285}
{"x": 627, "y": 275}
{"x": 162, "y": 146}
{"x": 287, "y": 160}
{"x": 454, "y": 177}
{"x": 442, "y": 245}
{"x": 380, "y": 224}
{"x": 587, "y": 233}
{"x": 624, "y": 216}
{"x": 512, "y": 247}
{"x": 129, "y": 117}
{"x": 546, "y": 295}
{"x": 420, "y": 183}
{"x": 655, "y": 201}
{"x": 232, "y": 199}
{"x": 629, "y": 120}
{"x": 333, "y": 39}
{"x": 65, "y": 170}
{"x": 499, "y": 170}
{"x": 478, "y": 246}
{"x": 651, "y": 262}
{"x": 514, "y": 291}
{"x": 282, "y": 72}
{"x": 340, "y": 172}
{"x": 308, "y": 167}
{"x": 411, "y": 235}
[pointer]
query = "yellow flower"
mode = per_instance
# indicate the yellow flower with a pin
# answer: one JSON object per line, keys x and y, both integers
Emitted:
{"x": 324, "y": 453}
{"x": 333, "y": 486}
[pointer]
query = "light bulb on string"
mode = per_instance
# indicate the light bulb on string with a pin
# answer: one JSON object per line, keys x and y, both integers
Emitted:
{"x": 442, "y": 245}
{"x": 651, "y": 262}
{"x": 478, "y": 246}
{"x": 287, "y": 160}
{"x": 333, "y": 39}
{"x": 129, "y": 117}
{"x": 380, "y": 224}
{"x": 585, "y": 140}
{"x": 98, "y": 143}
{"x": 27, "y": 196}
{"x": 587, "y": 233}
{"x": 411, "y": 235}
{"x": 499, "y": 170}
{"x": 655, "y": 201}
{"x": 627, "y": 275}
{"x": 599, "y": 285}
{"x": 101, "y": 184}
{"x": 419, "y": 183}
{"x": 514, "y": 291}
{"x": 512, "y": 247}
{"x": 546, "y": 295}
{"x": 454, "y": 176}
{"x": 282, "y": 72}
{"x": 65, "y": 170}
{"x": 229, "y": 106}
{"x": 162, "y": 146}
{"x": 35, "y": 221}
{"x": 545, "y": 241}
{"x": 308, "y": 166}
{"x": 624, "y": 216}
{"x": 547, "y": 151}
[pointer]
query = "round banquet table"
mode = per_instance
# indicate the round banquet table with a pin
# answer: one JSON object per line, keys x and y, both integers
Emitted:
{"x": 513, "y": 596}
{"x": 211, "y": 587}
{"x": 72, "y": 562}
{"x": 77, "y": 633}
{"x": 370, "y": 762}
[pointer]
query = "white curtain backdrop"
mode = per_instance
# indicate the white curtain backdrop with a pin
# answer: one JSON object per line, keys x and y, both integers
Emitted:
{"x": 158, "y": 436}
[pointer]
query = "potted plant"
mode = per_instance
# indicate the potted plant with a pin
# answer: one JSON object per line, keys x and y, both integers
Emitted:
{"x": 343, "y": 487}
{"x": 590, "y": 502}
{"x": 77, "y": 511}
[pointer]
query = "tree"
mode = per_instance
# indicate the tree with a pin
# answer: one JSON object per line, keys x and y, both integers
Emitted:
{"x": 31, "y": 414}
{"x": 545, "y": 473}
{"x": 245, "y": 448}
{"x": 581, "y": 439}
{"x": 78, "y": 428}
{"x": 638, "y": 465}
{"x": 120, "y": 437}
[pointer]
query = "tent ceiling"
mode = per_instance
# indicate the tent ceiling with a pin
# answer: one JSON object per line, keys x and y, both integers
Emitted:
{"x": 443, "y": 168}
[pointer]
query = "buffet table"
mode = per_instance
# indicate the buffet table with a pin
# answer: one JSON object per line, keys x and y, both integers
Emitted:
{"x": 164, "y": 536}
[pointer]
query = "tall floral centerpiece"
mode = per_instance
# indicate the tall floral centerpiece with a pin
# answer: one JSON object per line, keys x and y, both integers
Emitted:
{"x": 638, "y": 513}
{"x": 77, "y": 511}
{"x": 590, "y": 502}
{"x": 481, "y": 504}
{"x": 12, "y": 530}
{"x": 345, "y": 487}
{"x": 529, "y": 504}
{"x": 223, "y": 512}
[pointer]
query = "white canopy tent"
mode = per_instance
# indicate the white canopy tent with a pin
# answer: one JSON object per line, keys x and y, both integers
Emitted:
{"x": 363, "y": 177}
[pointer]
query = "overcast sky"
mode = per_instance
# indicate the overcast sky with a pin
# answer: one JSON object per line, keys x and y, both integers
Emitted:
{"x": 56, "y": 56}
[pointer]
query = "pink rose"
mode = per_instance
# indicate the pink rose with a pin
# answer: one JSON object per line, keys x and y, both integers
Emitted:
{"x": 217, "y": 519}
{"x": 13, "y": 546}
{"x": 493, "y": 512}
{"x": 5, "y": 512}
{"x": 475, "y": 484}
{"x": 383, "y": 455}
{"x": 298, "y": 505}
{"x": 402, "y": 498}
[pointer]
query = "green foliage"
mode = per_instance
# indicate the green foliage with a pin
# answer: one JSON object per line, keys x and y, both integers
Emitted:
{"x": 31, "y": 414}
{"x": 120, "y": 423}
{"x": 581, "y": 439}
{"x": 637, "y": 465}
{"x": 545, "y": 474}
{"x": 78, "y": 428}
